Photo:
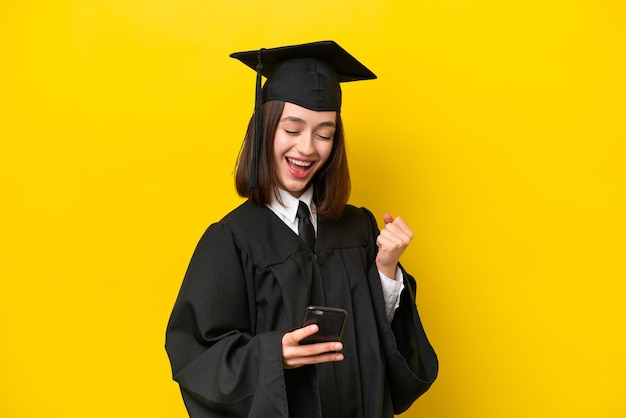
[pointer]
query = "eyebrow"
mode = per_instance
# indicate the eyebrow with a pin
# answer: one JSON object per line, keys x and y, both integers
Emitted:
{"x": 303, "y": 122}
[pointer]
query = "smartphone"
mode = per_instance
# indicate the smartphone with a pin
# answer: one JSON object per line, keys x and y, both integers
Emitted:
{"x": 330, "y": 321}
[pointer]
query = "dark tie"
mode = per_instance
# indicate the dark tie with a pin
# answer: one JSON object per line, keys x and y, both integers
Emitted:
{"x": 305, "y": 227}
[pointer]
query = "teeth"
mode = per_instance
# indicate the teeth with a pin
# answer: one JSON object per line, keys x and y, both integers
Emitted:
{"x": 299, "y": 163}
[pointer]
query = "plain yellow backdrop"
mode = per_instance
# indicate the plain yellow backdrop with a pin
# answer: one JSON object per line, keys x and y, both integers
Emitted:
{"x": 496, "y": 129}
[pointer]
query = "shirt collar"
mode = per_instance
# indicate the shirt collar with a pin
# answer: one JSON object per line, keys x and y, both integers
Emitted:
{"x": 289, "y": 206}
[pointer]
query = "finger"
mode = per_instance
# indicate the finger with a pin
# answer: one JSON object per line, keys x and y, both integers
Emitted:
{"x": 310, "y": 350}
{"x": 395, "y": 234}
{"x": 299, "y": 355}
{"x": 399, "y": 228}
{"x": 400, "y": 223}
{"x": 387, "y": 218}
{"x": 292, "y": 363}
{"x": 294, "y": 337}
{"x": 318, "y": 348}
{"x": 292, "y": 347}
{"x": 387, "y": 239}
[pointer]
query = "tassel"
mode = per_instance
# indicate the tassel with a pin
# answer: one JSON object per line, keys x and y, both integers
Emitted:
{"x": 256, "y": 149}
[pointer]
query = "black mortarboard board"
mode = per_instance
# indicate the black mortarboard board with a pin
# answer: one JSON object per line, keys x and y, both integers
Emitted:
{"x": 307, "y": 75}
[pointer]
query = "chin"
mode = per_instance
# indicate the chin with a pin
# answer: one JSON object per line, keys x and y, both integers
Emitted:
{"x": 295, "y": 189}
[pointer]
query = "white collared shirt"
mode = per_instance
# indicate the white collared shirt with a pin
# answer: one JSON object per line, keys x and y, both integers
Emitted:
{"x": 288, "y": 209}
{"x": 285, "y": 206}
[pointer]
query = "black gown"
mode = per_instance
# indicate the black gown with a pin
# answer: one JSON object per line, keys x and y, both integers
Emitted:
{"x": 249, "y": 282}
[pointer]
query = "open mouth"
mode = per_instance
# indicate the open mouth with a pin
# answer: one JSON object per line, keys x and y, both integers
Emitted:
{"x": 299, "y": 167}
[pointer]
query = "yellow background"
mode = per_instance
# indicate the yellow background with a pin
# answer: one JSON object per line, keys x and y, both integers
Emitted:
{"x": 496, "y": 129}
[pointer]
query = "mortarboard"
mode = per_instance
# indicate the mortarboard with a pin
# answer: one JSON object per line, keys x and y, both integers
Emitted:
{"x": 307, "y": 75}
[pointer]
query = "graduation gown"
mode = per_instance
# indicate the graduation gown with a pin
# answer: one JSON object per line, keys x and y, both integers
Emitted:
{"x": 249, "y": 282}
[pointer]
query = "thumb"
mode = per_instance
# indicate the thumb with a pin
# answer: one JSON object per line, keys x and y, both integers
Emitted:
{"x": 388, "y": 218}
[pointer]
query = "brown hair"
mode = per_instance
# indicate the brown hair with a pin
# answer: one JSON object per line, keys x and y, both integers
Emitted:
{"x": 331, "y": 183}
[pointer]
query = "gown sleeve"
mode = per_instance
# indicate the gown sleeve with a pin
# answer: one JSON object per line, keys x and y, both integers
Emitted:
{"x": 410, "y": 361}
{"x": 222, "y": 369}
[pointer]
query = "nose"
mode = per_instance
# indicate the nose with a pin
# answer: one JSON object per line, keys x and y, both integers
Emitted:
{"x": 305, "y": 145}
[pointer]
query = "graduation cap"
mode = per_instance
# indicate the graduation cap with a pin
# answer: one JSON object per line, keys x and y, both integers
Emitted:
{"x": 307, "y": 75}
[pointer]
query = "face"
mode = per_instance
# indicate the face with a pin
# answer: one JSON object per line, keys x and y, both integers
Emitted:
{"x": 302, "y": 144}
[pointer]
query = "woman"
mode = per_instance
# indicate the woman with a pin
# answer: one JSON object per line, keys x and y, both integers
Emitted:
{"x": 235, "y": 331}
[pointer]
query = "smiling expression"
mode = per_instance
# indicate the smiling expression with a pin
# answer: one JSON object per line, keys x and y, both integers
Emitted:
{"x": 302, "y": 144}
